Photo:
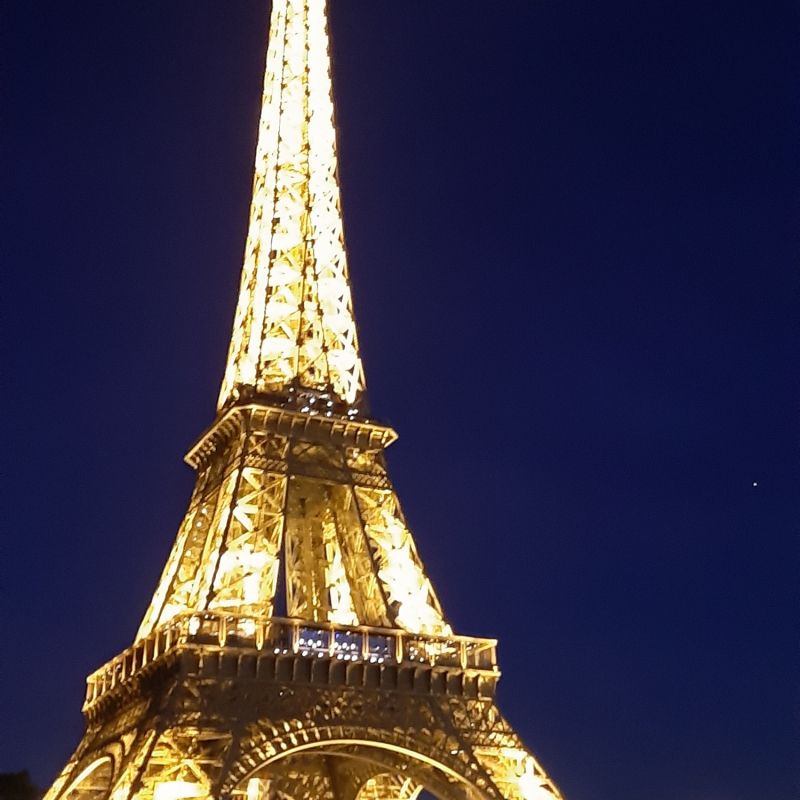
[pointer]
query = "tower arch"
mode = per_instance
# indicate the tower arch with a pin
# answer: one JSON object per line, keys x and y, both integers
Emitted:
{"x": 357, "y": 769}
{"x": 93, "y": 782}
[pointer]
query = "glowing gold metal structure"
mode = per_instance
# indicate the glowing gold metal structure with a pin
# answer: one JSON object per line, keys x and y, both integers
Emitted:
{"x": 294, "y": 321}
{"x": 294, "y": 647}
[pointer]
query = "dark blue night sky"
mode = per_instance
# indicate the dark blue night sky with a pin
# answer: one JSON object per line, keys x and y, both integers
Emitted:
{"x": 572, "y": 229}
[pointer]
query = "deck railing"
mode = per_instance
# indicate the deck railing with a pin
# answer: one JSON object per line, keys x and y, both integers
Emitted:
{"x": 283, "y": 636}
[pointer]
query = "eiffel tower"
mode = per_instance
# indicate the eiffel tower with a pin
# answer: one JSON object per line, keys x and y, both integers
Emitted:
{"x": 294, "y": 647}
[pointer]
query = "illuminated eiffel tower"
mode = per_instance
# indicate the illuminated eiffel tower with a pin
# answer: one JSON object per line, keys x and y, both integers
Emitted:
{"x": 294, "y": 647}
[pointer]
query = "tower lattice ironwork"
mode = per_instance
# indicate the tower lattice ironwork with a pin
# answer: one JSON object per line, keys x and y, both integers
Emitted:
{"x": 294, "y": 647}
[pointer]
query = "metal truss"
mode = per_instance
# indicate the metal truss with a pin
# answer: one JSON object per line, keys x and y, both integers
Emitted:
{"x": 321, "y": 515}
{"x": 294, "y": 647}
{"x": 294, "y": 323}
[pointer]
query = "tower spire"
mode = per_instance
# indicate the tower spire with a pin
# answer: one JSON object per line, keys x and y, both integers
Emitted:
{"x": 294, "y": 326}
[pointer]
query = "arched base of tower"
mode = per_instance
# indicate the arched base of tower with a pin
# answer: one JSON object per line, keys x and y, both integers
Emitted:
{"x": 191, "y": 730}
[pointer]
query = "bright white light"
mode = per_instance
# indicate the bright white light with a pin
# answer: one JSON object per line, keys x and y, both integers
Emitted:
{"x": 532, "y": 786}
{"x": 256, "y": 789}
{"x": 178, "y": 790}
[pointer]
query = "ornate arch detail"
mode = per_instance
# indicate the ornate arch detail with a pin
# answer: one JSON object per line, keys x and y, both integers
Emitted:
{"x": 395, "y": 749}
